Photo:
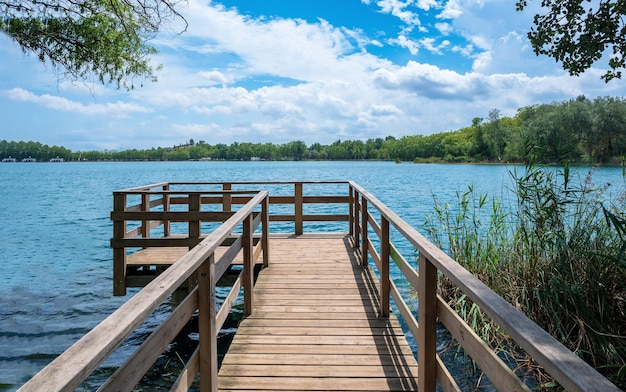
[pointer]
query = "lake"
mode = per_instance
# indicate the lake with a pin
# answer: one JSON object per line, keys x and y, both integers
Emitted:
{"x": 56, "y": 278}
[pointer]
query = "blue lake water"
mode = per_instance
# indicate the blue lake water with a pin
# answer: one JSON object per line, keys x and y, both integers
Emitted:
{"x": 55, "y": 260}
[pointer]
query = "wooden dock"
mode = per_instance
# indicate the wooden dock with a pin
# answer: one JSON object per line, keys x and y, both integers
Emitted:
{"x": 316, "y": 319}
{"x": 315, "y": 326}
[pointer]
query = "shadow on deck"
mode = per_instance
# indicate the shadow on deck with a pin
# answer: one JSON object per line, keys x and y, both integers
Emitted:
{"x": 315, "y": 325}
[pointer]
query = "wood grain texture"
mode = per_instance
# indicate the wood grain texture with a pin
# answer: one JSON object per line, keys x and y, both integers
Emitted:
{"x": 316, "y": 326}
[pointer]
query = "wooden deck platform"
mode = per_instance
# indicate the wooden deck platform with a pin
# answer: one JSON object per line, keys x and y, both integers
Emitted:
{"x": 315, "y": 326}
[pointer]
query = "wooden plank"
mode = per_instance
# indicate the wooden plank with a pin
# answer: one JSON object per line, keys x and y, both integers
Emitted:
{"x": 320, "y": 370}
{"x": 317, "y": 384}
{"x": 315, "y": 326}
{"x": 313, "y": 349}
{"x": 311, "y": 359}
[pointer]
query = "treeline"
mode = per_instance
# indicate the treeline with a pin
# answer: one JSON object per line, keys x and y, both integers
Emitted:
{"x": 577, "y": 130}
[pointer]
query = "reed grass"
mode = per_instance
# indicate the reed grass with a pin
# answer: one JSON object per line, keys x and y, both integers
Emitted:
{"x": 556, "y": 251}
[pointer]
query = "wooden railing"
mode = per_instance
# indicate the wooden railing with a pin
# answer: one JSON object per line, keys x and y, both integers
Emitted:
{"x": 143, "y": 216}
{"x": 567, "y": 368}
{"x": 370, "y": 224}
{"x": 70, "y": 369}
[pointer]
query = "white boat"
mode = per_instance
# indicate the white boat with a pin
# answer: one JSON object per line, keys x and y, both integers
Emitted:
{"x": 29, "y": 159}
{"x": 57, "y": 159}
{"x": 9, "y": 159}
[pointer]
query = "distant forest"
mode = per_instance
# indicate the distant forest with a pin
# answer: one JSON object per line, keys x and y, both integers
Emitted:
{"x": 578, "y": 130}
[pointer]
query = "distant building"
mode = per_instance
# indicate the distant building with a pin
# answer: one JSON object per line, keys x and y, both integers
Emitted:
{"x": 9, "y": 159}
{"x": 29, "y": 159}
{"x": 57, "y": 159}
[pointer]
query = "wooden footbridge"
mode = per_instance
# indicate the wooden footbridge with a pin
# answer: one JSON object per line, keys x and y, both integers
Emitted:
{"x": 317, "y": 315}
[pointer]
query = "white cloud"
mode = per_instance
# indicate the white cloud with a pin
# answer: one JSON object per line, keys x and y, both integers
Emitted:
{"x": 444, "y": 28}
{"x": 429, "y": 44}
{"x": 452, "y": 10}
{"x": 404, "y": 42}
{"x": 216, "y": 77}
{"x": 426, "y": 5}
{"x": 236, "y": 78}
{"x": 115, "y": 109}
{"x": 397, "y": 8}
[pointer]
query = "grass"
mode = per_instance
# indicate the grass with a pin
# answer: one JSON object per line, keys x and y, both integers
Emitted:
{"x": 557, "y": 252}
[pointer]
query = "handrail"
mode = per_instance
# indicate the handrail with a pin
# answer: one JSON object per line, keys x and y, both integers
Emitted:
{"x": 72, "y": 367}
{"x": 568, "y": 369}
{"x": 194, "y": 196}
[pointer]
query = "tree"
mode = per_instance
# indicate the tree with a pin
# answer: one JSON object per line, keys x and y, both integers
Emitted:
{"x": 578, "y": 37}
{"x": 102, "y": 38}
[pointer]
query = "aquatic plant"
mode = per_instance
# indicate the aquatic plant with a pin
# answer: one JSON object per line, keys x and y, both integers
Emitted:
{"x": 556, "y": 251}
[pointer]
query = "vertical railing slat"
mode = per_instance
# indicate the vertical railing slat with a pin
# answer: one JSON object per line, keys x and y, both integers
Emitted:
{"x": 298, "y": 208}
{"x": 427, "y": 319}
{"x": 145, "y": 207}
{"x": 207, "y": 327}
{"x": 265, "y": 237}
{"x": 248, "y": 265}
{"x": 364, "y": 244}
{"x": 119, "y": 253}
{"x": 166, "y": 208}
{"x": 194, "y": 224}
{"x": 357, "y": 227}
{"x": 351, "y": 211}
{"x": 227, "y": 198}
{"x": 385, "y": 250}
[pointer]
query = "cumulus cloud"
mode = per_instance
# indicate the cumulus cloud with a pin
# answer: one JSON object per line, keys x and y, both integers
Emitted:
{"x": 404, "y": 42}
{"x": 452, "y": 10}
{"x": 398, "y": 9}
{"x": 234, "y": 77}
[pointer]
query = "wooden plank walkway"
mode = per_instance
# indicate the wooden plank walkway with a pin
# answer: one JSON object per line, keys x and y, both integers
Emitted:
{"x": 315, "y": 326}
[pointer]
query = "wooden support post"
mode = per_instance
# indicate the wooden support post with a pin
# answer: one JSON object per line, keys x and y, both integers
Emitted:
{"x": 166, "y": 208}
{"x": 385, "y": 248}
{"x": 427, "y": 319}
{"x": 357, "y": 227}
{"x": 298, "y": 208}
{"x": 351, "y": 210}
{"x": 265, "y": 222}
{"x": 248, "y": 266}
{"x": 145, "y": 207}
{"x": 227, "y": 198}
{"x": 119, "y": 253}
{"x": 364, "y": 250}
{"x": 194, "y": 225}
{"x": 207, "y": 327}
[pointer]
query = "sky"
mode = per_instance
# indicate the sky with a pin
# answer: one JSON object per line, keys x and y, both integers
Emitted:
{"x": 316, "y": 71}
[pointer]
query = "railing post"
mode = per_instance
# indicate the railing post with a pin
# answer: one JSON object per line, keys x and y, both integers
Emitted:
{"x": 119, "y": 252}
{"x": 227, "y": 198}
{"x": 248, "y": 266}
{"x": 385, "y": 247}
{"x": 207, "y": 327}
{"x": 166, "y": 208}
{"x": 357, "y": 229}
{"x": 265, "y": 223}
{"x": 427, "y": 319}
{"x": 351, "y": 210}
{"x": 194, "y": 224}
{"x": 145, "y": 207}
{"x": 298, "y": 208}
{"x": 364, "y": 241}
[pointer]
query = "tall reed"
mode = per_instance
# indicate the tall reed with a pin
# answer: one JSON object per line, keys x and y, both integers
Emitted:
{"x": 557, "y": 252}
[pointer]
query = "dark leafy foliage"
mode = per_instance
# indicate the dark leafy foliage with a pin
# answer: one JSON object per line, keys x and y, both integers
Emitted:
{"x": 578, "y": 33}
{"x": 107, "y": 39}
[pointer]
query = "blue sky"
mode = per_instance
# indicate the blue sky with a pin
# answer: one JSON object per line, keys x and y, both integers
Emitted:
{"x": 316, "y": 71}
